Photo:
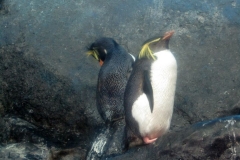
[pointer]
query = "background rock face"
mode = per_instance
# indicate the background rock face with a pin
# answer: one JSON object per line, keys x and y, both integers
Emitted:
{"x": 48, "y": 81}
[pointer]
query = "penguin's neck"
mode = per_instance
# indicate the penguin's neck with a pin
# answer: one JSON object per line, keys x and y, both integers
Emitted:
{"x": 163, "y": 56}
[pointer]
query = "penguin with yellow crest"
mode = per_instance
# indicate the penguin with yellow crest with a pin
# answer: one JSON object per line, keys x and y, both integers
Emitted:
{"x": 149, "y": 94}
{"x": 116, "y": 65}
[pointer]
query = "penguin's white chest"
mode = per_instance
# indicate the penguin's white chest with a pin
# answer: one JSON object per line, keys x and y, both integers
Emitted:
{"x": 163, "y": 80}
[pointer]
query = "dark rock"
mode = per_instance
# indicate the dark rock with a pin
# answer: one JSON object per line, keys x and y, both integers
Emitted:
{"x": 110, "y": 141}
{"x": 234, "y": 110}
{"x": 205, "y": 45}
{"x": 44, "y": 99}
{"x": 3, "y": 8}
{"x": 216, "y": 139}
{"x": 48, "y": 81}
{"x": 20, "y": 139}
{"x": 67, "y": 154}
{"x": 20, "y": 151}
{"x": 4, "y": 131}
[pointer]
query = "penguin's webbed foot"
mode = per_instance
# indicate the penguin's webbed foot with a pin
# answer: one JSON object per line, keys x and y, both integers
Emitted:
{"x": 148, "y": 141}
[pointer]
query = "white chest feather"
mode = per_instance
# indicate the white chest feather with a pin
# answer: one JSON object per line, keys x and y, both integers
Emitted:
{"x": 163, "y": 81}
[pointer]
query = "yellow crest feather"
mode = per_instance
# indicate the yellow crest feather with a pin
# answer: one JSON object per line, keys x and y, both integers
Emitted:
{"x": 146, "y": 51}
{"x": 93, "y": 53}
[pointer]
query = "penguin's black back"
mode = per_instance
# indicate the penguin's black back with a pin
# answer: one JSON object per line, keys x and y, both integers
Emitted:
{"x": 134, "y": 89}
{"x": 112, "y": 80}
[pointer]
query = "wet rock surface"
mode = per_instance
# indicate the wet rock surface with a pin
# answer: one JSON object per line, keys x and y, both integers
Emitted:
{"x": 217, "y": 139}
{"x": 47, "y": 94}
{"x": 111, "y": 140}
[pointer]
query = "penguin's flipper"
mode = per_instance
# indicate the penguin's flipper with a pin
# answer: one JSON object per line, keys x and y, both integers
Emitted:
{"x": 147, "y": 88}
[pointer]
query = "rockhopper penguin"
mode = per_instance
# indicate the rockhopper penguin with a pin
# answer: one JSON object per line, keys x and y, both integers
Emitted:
{"x": 116, "y": 66}
{"x": 149, "y": 94}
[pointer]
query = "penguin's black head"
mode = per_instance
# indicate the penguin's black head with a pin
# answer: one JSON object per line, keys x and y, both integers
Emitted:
{"x": 101, "y": 47}
{"x": 155, "y": 45}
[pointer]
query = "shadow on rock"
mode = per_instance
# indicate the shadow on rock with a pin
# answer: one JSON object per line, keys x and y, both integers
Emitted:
{"x": 48, "y": 101}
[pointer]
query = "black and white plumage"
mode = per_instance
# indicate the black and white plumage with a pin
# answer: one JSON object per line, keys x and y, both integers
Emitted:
{"x": 149, "y": 95}
{"x": 116, "y": 66}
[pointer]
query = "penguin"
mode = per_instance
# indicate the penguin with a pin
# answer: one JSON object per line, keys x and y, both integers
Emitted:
{"x": 149, "y": 94}
{"x": 116, "y": 66}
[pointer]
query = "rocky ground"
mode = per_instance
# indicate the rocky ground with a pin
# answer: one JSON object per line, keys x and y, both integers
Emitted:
{"x": 47, "y": 94}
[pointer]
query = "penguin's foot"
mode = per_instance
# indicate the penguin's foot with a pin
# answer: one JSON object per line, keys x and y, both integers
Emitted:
{"x": 148, "y": 141}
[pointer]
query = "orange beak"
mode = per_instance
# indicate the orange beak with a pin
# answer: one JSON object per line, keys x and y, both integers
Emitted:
{"x": 168, "y": 35}
{"x": 100, "y": 62}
